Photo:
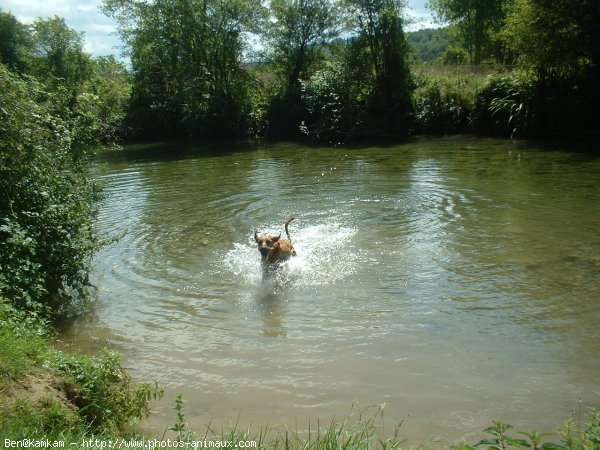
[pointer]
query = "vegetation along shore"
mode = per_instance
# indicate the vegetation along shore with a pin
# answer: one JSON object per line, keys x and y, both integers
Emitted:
{"x": 327, "y": 72}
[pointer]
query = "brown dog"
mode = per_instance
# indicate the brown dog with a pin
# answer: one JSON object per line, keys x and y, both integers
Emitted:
{"x": 274, "y": 250}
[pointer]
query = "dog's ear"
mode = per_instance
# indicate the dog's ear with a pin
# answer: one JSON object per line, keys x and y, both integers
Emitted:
{"x": 255, "y": 236}
{"x": 276, "y": 238}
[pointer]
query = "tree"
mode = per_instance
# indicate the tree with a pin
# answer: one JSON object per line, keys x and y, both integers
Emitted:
{"x": 555, "y": 36}
{"x": 296, "y": 36}
{"x": 187, "y": 61}
{"x": 57, "y": 51}
{"x": 381, "y": 46}
{"x": 14, "y": 42}
{"x": 101, "y": 107}
{"x": 472, "y": 21}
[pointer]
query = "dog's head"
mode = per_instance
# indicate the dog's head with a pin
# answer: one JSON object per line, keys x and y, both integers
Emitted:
{"x": 266, "y": 242}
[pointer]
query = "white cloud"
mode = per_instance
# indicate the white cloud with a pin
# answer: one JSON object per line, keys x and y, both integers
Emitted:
{"x": 419, "y": 16}
{"x": 420, "y": 20}
{"x": 29, "y": 10}
{"x": 81, "y": 15}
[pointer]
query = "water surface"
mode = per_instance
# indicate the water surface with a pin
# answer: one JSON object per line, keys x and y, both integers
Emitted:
{"x": 455, "y": 280}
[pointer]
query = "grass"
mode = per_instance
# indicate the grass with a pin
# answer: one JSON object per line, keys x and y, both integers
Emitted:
{"x": 362, "y": 429}
{"x": 22, "y": 343}
{"x": 466, "y": 72}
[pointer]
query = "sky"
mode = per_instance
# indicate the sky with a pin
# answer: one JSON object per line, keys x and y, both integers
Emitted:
{"x": 100, "y": 31}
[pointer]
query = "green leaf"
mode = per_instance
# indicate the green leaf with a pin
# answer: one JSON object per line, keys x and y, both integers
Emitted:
{"x": 518, "y": 442}
{"x": 487, "y": 442}
{"x": 553, "y": 446}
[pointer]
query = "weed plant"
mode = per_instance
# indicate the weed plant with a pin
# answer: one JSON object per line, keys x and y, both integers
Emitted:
{"x": 364, "y": 430}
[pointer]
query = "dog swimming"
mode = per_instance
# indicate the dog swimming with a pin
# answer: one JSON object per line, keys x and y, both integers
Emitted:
{"x": 274, "y": 250}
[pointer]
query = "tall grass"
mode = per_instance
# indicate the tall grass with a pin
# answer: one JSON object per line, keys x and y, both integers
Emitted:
{"x": 499, "y": 101}
{"x": 362, "y": 429}
{"x": 444, "y": 97}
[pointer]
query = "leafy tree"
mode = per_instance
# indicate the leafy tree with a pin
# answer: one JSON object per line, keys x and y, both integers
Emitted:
{"x": 47, "y": 199}
{"x": 380, "y": 47}
{"x": 365, "y": 88}
{"x": 474, "y": 23}
{"x": 102, "y": 105}
{"x": 295, "y": 38}
{"x": 187, "y": 61}
{"x": 14, "y": 42}
{"x": 555, "y": 36}
{"x": 57, "y": 51}
{"x": 454, "y": 55}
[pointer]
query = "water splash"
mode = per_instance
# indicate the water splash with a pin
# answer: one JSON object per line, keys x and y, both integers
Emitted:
{"x": 326, "y": 255}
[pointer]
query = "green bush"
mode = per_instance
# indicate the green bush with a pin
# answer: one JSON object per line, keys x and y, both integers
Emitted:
{"x": 100, "y": 107}
{"x": 506, "y": 105}
{"x": 524, "y": 104}
{"x": 442, "y": 106}
{"x": 336, "y": 104}
{"x": 103, "y": 392}
{"x": 47, "y": 199}
{"x": 96, "y": 392}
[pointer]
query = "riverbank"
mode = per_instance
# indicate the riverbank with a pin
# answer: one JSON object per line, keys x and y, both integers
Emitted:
{"x": 49, "y": 394}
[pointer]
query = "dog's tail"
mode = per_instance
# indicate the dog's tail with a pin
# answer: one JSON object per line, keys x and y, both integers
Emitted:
{"x": 286, "y": 228}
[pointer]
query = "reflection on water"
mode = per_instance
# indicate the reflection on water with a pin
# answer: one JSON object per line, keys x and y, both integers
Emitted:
{"x": 455, "y": 280}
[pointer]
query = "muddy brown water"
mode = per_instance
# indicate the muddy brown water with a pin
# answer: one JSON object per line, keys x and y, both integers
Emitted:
{"x": 456, "y": 281}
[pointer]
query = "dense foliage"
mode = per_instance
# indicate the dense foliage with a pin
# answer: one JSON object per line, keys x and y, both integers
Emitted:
{"x": 55, "y": 100}
{"x": 296, "y": 39}
{"x": 340, "y": 70}
{"x": 194, "y": 74}
{"x": 186, "y": 57}
{"x": 365, "y": 89}
{"x": 428, "y": 45}
{"x": 46, "y": 197}
{"x": 474, "y": 26}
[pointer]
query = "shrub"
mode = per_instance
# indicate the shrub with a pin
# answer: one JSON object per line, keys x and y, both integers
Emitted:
{"x": 336, "y": 104}
{"x": 442, "y": 106}
{"x": 526, "y": 105}
{"x": 505, "y": 105}
{"x": 47, "y": 199}
{"x": 103, "y": 392}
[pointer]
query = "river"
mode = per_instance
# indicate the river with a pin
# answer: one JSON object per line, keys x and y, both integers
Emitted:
{"x": 455, "y": 280}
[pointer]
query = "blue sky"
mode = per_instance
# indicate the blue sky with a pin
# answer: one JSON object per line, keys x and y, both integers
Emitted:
{"x": 100, "y": 37}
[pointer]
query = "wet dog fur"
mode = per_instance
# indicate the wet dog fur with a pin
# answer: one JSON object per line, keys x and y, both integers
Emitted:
{"x": 274, "y": 250}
